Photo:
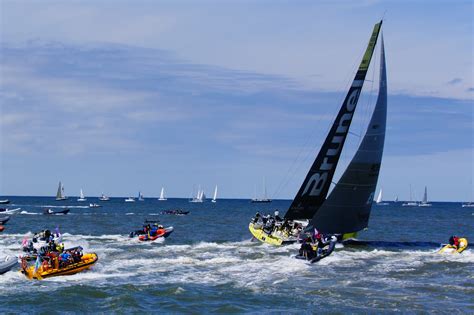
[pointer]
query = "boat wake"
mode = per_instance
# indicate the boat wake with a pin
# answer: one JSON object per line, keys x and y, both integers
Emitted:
{"x": 256, "y": 267}
{"x": 30, "y": 213}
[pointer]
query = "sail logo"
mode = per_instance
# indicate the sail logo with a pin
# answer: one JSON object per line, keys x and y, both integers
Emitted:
{"x": 317, "y": 181}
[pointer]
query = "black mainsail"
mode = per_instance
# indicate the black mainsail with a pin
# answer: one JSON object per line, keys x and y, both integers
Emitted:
{"x": 347, "y": 208}
{"x": 316, "y": 185}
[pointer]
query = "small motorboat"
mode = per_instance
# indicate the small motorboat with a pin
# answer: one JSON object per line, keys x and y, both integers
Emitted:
{"x": 175, "y": 212}
{"x": 104, "y": 198}
{"x": 7, "y": 264}
{"x": 94, "y": 205}
{"x": 151, "y": 232}
{"x": 9, "y": 211}
{"x": 54, "y": 268}
{"x": 4, "y": 220}
{"x": 4, "y": 202}
{"x": 50, "y": 211}
{"x": 130, "y": 199}
{"x": 307, "y": 252}
{"x": 160, "y": 233}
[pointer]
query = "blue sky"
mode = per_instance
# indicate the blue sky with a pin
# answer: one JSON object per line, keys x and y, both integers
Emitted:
{"x": 119, "y": 97}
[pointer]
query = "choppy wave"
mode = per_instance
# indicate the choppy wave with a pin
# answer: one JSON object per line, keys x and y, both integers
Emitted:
{"x": 54, "y": 206}
{"x": 243, "y": 264}
{"x": 30, "y": 213}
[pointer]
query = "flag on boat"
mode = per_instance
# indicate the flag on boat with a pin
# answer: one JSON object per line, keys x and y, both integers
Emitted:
{"x": 24, "y": 243}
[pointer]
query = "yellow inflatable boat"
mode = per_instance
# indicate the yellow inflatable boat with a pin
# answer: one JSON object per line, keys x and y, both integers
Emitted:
{"x": 46, "y": 271}
{"x": 451, "y": 249}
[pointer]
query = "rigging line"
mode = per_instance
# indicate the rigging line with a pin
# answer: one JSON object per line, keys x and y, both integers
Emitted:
{"x": 348, "y": 79}
{"x": 365, "y": 117}
{"x": 354, "y": 134}
{"x": 297, "y": 166}
{"x": 345, "y": 158}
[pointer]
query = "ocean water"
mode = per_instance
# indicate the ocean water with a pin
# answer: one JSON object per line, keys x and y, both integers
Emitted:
{"x": 209, "y": 263}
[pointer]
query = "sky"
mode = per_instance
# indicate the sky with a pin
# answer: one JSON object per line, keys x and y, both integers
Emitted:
{"x": 127, "y": 96}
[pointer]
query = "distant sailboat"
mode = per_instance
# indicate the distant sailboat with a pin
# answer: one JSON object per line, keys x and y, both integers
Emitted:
{"x": 104, "y": 198}
{"x": 214, "y": 199}
{"x": 140, "y": 196}
{"x": 379, "y": 201}
{"x": 200, "y": 196}
{"x": 424, "y": 202}
{"x": 396, "y": 199}
{"x": 264, "y": 199}
{"x": 162, "y": 195}
{"x": 81, "y": 197}
{"x": 60, "y": 193}
{"x": 410, "y": 203}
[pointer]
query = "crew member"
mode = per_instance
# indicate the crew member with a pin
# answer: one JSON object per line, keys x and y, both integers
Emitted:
{"x": 160, "y": 230}
{"x": 256, "y": 218}
{"x": 459, "y": 243}
{"x": 277, "y": 216}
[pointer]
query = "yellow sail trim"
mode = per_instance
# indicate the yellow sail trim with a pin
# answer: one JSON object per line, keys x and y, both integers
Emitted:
{"x": 364, "y": 65}
{"x": 348, "y": 236}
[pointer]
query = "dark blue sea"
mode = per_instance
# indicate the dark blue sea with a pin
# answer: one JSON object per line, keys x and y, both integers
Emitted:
{"x": 209, "y": 263}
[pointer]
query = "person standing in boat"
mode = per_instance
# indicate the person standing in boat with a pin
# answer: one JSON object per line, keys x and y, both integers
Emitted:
{"x": 256, "y": 218}
{"x": 278, "y": 219}
{"x": 269, "y": 225}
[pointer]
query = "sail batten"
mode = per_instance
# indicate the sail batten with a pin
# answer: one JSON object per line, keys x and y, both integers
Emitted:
{"x": 315, "y": 187}
{"x": 347, "y": 208}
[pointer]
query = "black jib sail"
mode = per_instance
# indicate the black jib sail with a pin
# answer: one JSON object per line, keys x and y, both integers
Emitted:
{"x": 347, "y": 208}
{"x": 316, "y": 185}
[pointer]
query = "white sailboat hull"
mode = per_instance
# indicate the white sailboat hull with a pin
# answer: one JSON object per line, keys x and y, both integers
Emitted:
{"x": 410, "y": 204}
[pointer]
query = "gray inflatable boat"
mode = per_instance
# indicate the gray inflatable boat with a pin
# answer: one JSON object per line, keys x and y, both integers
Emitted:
{"x": 7, "y": 264}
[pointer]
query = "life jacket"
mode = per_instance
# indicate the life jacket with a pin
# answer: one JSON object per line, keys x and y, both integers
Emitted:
{"x": 456, "y": 241}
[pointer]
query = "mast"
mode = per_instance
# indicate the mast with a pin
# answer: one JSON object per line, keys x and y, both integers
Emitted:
{"x": 315, "y": 187}
{"x": 264, "y": 189}
{"x": 347, "y": 208}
